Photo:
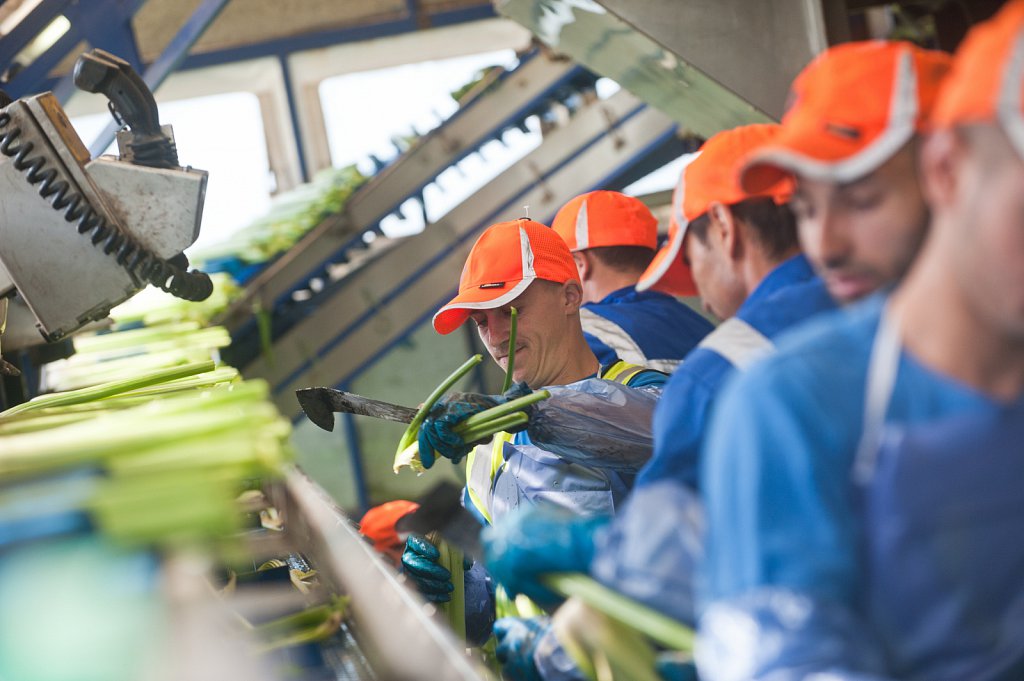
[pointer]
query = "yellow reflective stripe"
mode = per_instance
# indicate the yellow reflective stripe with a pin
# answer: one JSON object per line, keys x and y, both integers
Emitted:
{"x": 479, "y": 482}
{"x": 622, "y": 372}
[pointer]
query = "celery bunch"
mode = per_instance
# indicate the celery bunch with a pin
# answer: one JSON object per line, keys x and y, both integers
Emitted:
{"x": 609, "y": 635}
{"x": 451, "y": 560}
{"x": 306, "y": 626}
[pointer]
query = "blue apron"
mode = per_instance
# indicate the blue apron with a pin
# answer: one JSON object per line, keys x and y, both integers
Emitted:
{"x": 943, "y": 506}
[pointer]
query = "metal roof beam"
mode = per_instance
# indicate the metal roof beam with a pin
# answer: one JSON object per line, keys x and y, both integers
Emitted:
{"x": 310, "y": 41}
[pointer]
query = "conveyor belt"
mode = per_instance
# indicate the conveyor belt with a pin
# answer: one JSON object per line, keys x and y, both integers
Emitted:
{"x": 395, "y": 630}
{"x": 508, "y": 102}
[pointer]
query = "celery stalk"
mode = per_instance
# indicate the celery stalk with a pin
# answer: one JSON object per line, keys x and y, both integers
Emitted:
{"x": 510, "y": 407}
{"x": 503, "y": 423}
{"x": 421, "y": 414}
{"x": 660, "y": 628}
{"x": 126, "y": 433}
{"x": 451, "y": 560}
{"x": 603, "y": 648}
{"x": 511, "y": 363}
{"x": 109, "y": 389}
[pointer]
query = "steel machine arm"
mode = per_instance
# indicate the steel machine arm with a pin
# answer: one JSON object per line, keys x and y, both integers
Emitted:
{"x": 78, "y": 235}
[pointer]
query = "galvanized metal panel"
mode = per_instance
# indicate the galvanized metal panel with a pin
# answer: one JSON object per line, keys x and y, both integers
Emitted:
{"x": 252, "y": 21}
{"x": 754, "y": 49}
{"x": 710, "y": 64}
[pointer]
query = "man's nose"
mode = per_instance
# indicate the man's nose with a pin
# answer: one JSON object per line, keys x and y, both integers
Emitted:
{"x": 831, "y": 242}
{"x": 497, "y": 327}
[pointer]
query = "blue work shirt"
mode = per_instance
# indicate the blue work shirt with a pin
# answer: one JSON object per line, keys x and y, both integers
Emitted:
{"x": 791, "y": 293}
{"x": 649, "y": 328}
{"x": 783, "y": 523}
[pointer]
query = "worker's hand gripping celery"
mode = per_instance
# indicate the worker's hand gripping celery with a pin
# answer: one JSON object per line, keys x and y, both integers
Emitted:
{"x": 463, "y": 419}
{"x": 409, "y": 436}
{"x": 525, "y": 546}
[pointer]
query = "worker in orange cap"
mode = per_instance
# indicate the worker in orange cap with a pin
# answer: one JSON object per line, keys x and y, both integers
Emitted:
{"x": 378, "y": 526}
{"x": 740, "y": 253}
{"x": 585, "y": 443}
{"x": 850, "y": 138}
{"x": 613, "y": 238}
{"x": 862, "y": 485}
{"x": 526, "y": 265}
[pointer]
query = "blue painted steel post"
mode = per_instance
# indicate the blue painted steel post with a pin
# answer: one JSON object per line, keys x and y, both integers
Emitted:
{"x": 114, "y": 36}
{"x": 355, "y": 453}
{"x": 30, "y": 27}
{"x": 168, "y": 60}
{"x": 293, "y": 113}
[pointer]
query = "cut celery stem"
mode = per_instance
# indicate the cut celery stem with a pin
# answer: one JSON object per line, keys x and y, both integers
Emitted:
{"x": 113, "y": 388}
{"x": 451, "y": 559}
{"x": 510, "y": 365}
{"x": 487, "y": 430}
{"x": 421, "y": 414}
{"x": 659, "y": 627}
{"x": 510, "y": 407}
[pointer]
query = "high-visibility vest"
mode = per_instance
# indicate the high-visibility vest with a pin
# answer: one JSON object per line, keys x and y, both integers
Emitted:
{"x": 485, "y": 461}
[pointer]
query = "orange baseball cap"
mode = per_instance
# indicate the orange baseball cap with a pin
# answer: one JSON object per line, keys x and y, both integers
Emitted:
{"x": 378, "y": 524}
{"x": 709, "y": 176}
{"x": 986, "y": 83}
{"x": 604, "y": 218}
{"x": 850, "y": 110}
{"x": 506, "y": 259}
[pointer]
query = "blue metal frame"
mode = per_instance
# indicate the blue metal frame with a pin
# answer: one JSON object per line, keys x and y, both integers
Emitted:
{"x": 608, "y": 182}
{"x": 168, "y": 60}
{"x": 107, "y": 27}
{"x": 282, "y": 47}
{"x": 501, "y": 124}
{"x": 29, "y": 27}
{"x": 418, "y": 274}
{"x": 356, "y": 455}
{"x": 293, "y": 110}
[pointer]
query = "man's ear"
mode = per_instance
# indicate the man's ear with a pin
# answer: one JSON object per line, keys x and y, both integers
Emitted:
{"x": 583, "y": 265}
{"x": 726, "y": 229}
{"x": 572, "y": 295}
{"x": 938, "y": 165}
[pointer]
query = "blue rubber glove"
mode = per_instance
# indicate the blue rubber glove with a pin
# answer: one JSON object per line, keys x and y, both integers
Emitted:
{"x": 676, "y": 667}
{"x": 437, "y": 436}
{"x": 535, "y": 540}
{"x": 517, "y": 641}
{"x": 420, "y": 562}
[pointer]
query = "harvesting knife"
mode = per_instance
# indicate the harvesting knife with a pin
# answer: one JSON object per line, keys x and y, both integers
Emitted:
{"x": 320, "y": 405}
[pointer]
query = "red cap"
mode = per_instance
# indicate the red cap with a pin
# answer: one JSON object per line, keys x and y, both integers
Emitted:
{"x": 709, "y": 176}
{"x": 604, "y": 218}
{"x": 378, "y": 524}
{"x": 506, "y": 259}
{"x": 986, "y": 84}
{"x": 850, "y": 111}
